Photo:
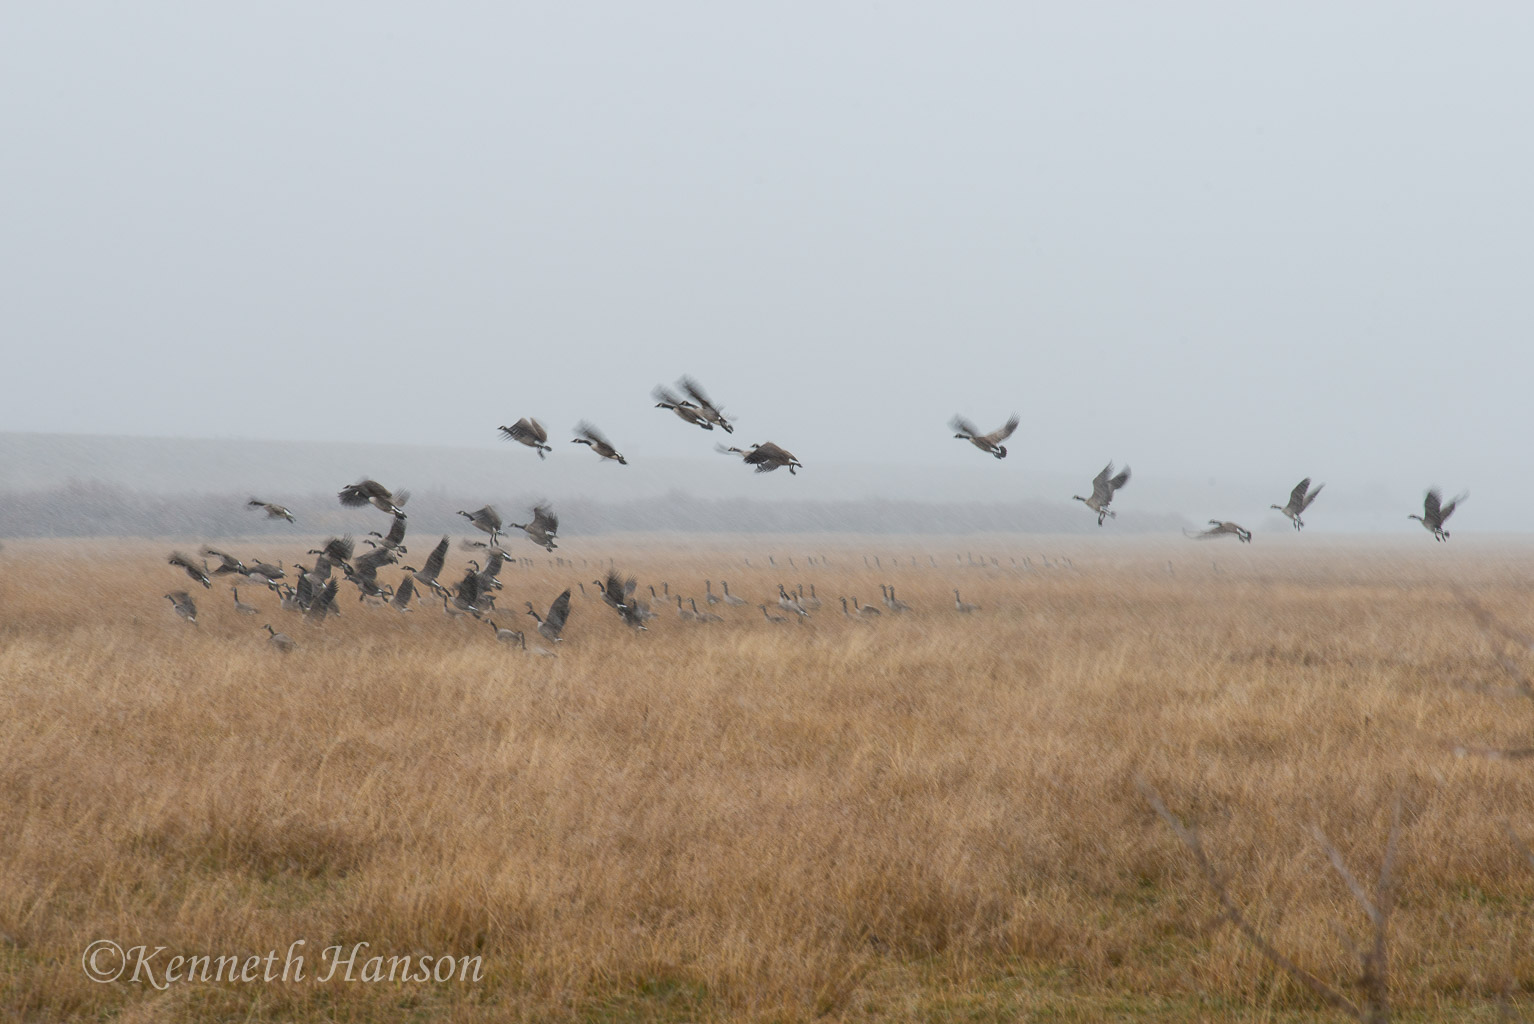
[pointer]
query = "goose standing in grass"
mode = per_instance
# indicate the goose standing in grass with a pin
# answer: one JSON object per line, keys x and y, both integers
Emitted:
{"x": 866, "y": 610}
{"x": 685, "y": 410}
{"x": 530, "y": 432}
{"x": 711, "y": 412}
{"x": 729, "y": 598}
{"x": 962, "y": 605}
{"x": 371, "y": 492}
{"x": 1104, "y": 485}
{"x": 703, "y": 616}
{"x": 281, "y": 641}
{"x": 593, "y": 438}
{"x": 185, "y": 607}
{"x": 1220, "y": 528}
{"x": 241, "y": 606}
{"x": 508, "y": 636}
{"x": 709, "y": 596}
{"x": 273, "y": 510}
{"x": 549, "y": 628}
{"x": 543, "y": 528}
{"x": 684, "y": 614}
{"x": 788, "y": 604}
{"x": 428, "y": 573}
{"x": 988, "y": 443}
{"x": 1299, "y": 500}
{"x": 486, "y": 519}
{"x": 198, "y": 573}
{"x": 811, "y": 603}
{"x": 1435, "y": 513}
{"x": 891, "y": 602}
{"x": 783, "y": 618}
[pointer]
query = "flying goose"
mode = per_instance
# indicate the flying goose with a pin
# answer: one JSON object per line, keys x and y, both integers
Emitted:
{"x": 550, "y": 628}
{"x": 988, "y": 443}
{"x": 241, "y": 606}
{"x": 427, "y": 574}
{"x": 1219, "y": 528}
{"x": 1299, "y": 501}
{"x": 593, "y": 438}
{"x": 324, "y": 603}
{"x": 228, "y": 564}
{"x": 281, "y": 641}
{"x": 400, "y": 602}
{"x": 394, "y": 539}
{"x": 273, "y": 511}
{"x": 1435, "y": 513}
{"x": 617, "y": 591}
{"x": 1103, "y": 489}
{"x": 543, "y": 528}
{"x": 184, "y": 605}
{"x": 486, "y": 519}
{"x": 530, "y": 432}
{"x": 765, "y": 457}
{"x": 711, "y": 412}
{"x": 371, "y": 492}
{"x": 685, "y": 410}
{"x": 198, "y": 573}
{"x": 263, "y": 574}
{"x": 964, "y": 606}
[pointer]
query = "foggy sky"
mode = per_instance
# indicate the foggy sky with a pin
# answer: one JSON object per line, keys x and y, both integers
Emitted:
{"x": 1208, "y": 240}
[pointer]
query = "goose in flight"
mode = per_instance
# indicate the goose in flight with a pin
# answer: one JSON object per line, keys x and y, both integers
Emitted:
{"x": 371, "y": 492}
{"x": 1299, "y": 500}
{"x": 550, "y": 628}
{"x": 988, "y": 443}
{"x": 486, "y": 519}
{"x": 765, "y": 457}
{"x": 592, "y": 437}
{"x": 530, "y": 432}
{"x": 273, "y": 510}
{"x": 184, "y": 605}
{"x": 1435, "y": 513}
{"x": 543, "y": 528}
{"x": 707, "y": 409}
{"x": 198, "y": 573}
{"x": 685, "y": 410}
{"x": 1219, "y": 528}
{"x": 1103, "y": 487}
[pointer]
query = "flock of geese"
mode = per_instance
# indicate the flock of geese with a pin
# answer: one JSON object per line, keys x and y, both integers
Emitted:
{"x": 312, "y": 590}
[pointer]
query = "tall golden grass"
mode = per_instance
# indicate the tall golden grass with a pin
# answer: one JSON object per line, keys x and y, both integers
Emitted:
{"x": 934, "y": 816}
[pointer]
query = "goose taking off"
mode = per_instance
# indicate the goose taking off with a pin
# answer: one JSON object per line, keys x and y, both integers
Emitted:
{"x": 1435, "y": 513}
{"x": 427, "y": 574}
{"x": 1299, "y": 501}
{"x": 542, "y": 529}
{"x": 273, "y": 511}
{"x": 487, "y": 519}
{"x": 685, "y": 410}
{"x": 184, "y": 605}
{"x": 989, "y": 443}
{"x": 592, "y": 437}
{"x": 1218, "y": 528}
{"x": 550, "y": 628}
{"x": 711, "y": 412}
{"x": 371, "y": 492}
{"x": 530, "y": 432}
{"x": 198, "y": 573}
{"x": 1103, "y": 487}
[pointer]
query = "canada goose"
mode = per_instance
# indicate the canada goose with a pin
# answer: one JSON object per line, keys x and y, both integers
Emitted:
{"x": 184, "y": 605}
{"x": 334, "y": 551}
{"x": 543, "y": 528}
{"x": 200, "y": 574}
{"x": 989, "y": 443}
{"x": 703, "y": 616}
{"x": 262, "y": 574}
{"x": 1299, "y": 501}
{"x": 729, "y": 598}
{"x": 486, "y": 519}
{"x": 1103, "y": 489}
{"x": 893, "y": 603}
{"x": 400, "y": 602}
{"x": 241, "y": 606}
{"x": 551, "y": 627}
{"x": 529, "y": 432}
{"x": 427, "y": 574}
{"x": 711, "y": 412}
{"x": 450, "y": 609}
{"x": 508, "y": 636}
{"x": 616, "y": 591}
{"x": 371, "y": 492}
{"x": 686, "y": 411}
{"x": 767, "y": 457}
{"x": 1435, "y": 513}
{"x": 788, "y": 604}
{"x": 783, "y": 618}
{"x": 864, "y": 609}
{"x": 708, "y": 586}
{"x": 593, "y": 438}
{"x": 811, "y": 603}
{"x": 228, "y": 564}
{"x": 273, "y": 511}
{"x": 394, "y": 539}
{"x": 470, "y": 595}
{"x": 964, "y": 606}
{"x": 1219, "y": 528}
{"x": 324, "y": 602}
{"x": 684, "y": 614}
{"x": 281, "y": 641}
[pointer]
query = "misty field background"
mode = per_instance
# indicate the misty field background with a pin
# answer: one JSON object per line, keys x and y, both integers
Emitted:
{"x": 934, "y": 816}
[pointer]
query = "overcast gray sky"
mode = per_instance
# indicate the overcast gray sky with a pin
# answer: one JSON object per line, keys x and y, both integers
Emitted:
{"x": 1205, "y": 239}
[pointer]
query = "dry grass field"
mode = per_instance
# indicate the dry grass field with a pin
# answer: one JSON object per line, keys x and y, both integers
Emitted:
{"x": 931, "y": 817}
